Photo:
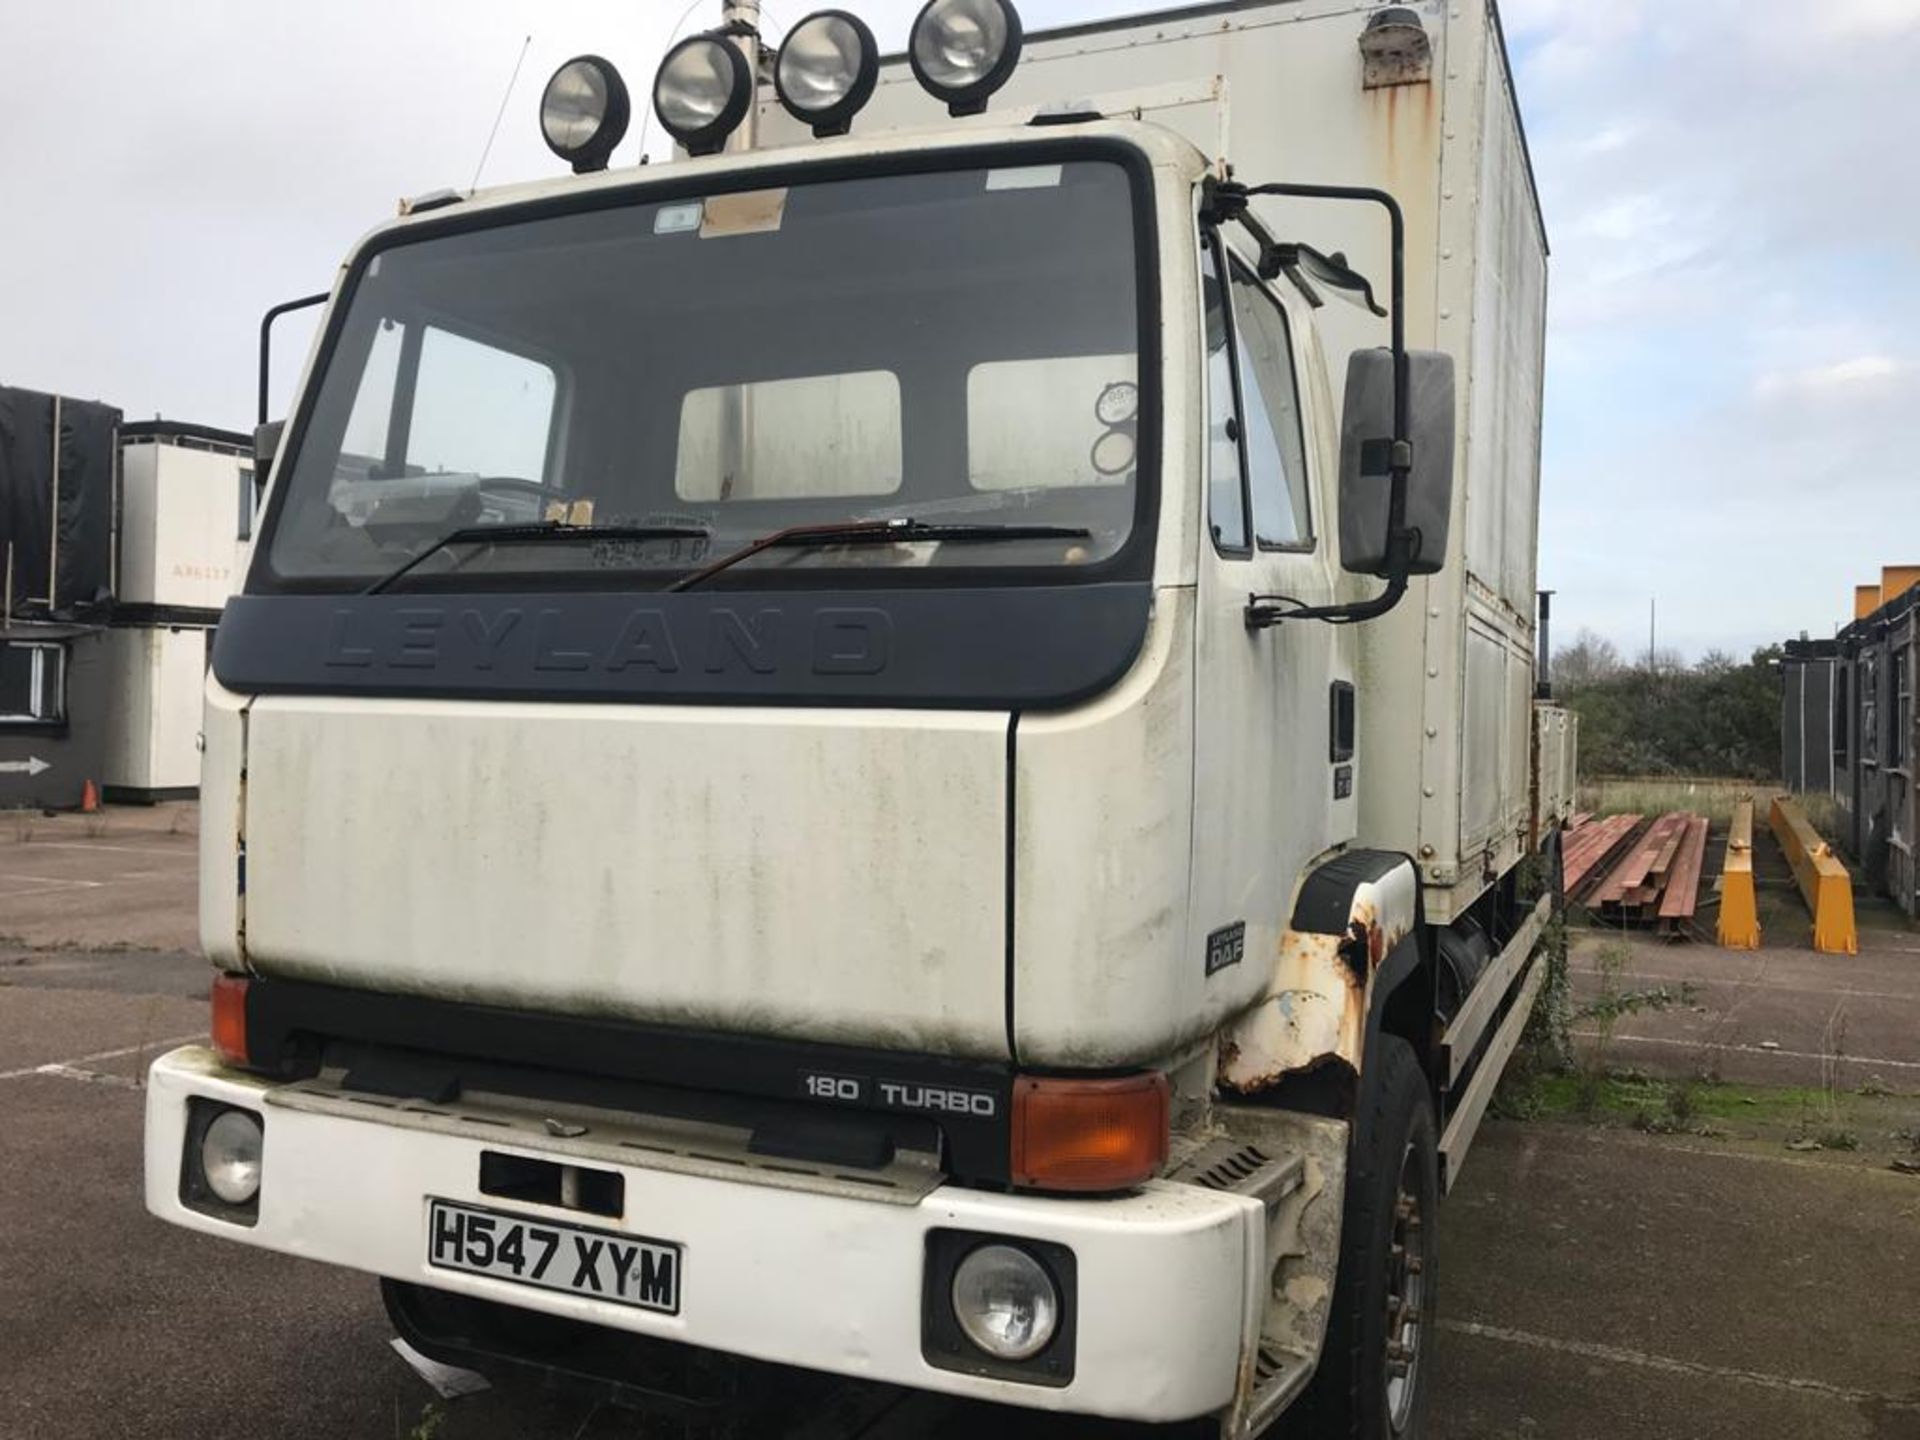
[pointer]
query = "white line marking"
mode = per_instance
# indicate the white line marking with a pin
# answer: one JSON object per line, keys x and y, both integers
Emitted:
{"x": 57, "y": 1066}
{"x": 30, "y": 891}
{"x": 60, "y": 880}
{"x": 1618, "y": 1355}
{"x": 1705, "y": 1044}
{"x": 91, "y": 1077}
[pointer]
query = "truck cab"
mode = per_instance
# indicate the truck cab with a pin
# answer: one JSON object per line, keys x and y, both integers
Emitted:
{"x": 796, "y": 773}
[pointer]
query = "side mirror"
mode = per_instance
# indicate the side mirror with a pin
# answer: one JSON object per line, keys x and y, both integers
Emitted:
{"x": 266, "y": 444}
{"x": 1366, "y": 447}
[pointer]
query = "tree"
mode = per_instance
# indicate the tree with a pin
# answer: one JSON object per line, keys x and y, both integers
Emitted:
{"x": 1719, "y": 717}
{"x": 1590, "y": 658}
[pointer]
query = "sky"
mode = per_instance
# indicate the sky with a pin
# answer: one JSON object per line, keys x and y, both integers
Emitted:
{"x": 1731, "y": 188}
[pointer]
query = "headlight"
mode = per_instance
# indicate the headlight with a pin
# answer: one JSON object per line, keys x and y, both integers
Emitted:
{"x": 826, "y": 71}
{"x": 230, "y": 1156}
{"x": 702, "y": 91}
{"x": 964, "y": 50}
{"x": 584, "y": 112}
{"x": 1005, "y": 1302}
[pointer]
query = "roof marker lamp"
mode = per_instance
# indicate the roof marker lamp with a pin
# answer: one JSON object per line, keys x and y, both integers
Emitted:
{"x": 964, "y": 50}
{"x": 584, "y": 112}
{"x": 827, "y": 69}
{"x": 702, "y": 91}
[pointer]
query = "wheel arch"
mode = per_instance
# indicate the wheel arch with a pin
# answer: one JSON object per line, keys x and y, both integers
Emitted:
{"x": 1356, "y": 961}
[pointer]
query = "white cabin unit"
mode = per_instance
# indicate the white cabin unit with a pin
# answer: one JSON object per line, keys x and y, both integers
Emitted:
{"x": 186, "y": 510}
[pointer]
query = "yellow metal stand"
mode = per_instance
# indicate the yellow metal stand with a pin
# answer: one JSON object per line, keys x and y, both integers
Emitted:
{"x": 1739, "y": 909}
{"x": 1824, "y": 881}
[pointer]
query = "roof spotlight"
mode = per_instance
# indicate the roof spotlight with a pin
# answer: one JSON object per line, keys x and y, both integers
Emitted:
{"x": 702, "y": 91}
{"x": 964, "y": 50}
{"x": 826, "y": 71}
{"x": 584, "y": 112}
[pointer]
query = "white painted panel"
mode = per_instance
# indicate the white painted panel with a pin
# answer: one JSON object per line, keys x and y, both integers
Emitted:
{"x": 179, "y": 676}
{"x": 157, "y": 676}
{"x": 1503, "y": 412}
{"x": 1104, "y": 800}
{"x": 224, "y": 721}
{"x": 180, "y": 516}
{"x": 129, "y": 737}
{"x": 1483, "y": 736}
{"x": 826, "y": 874}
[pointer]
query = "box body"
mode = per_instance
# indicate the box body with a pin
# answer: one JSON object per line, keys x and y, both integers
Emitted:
{"x": 1278, "y": 89}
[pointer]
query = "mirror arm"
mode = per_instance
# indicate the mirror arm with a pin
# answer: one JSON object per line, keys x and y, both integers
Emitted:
{"x": 266, "y": 343}
{"x": 1229, "y": 200}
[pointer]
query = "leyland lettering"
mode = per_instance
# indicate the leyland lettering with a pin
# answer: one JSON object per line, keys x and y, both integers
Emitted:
{"x": 836, "y": 640}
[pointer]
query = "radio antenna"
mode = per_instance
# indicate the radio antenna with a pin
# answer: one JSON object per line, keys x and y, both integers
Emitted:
{"x": 500, "y": 114}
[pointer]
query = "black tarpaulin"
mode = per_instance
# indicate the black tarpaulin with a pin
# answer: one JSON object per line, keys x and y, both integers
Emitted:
{"x": 56, "y": 508}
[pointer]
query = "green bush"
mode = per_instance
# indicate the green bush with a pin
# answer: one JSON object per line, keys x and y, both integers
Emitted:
{"x": 1717, "y": 718}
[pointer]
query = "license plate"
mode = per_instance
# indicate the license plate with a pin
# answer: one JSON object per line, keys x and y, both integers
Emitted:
{"x": 573, "y": 1259}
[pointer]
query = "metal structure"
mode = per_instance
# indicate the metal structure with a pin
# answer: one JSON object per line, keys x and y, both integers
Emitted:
{"x": 1807, "y": 715}
{"x": 1658, "y": 878}
{"x": 1823, "y": 880}
{"x": 1739, "y": 905}
{"x": 1875, "y": 746}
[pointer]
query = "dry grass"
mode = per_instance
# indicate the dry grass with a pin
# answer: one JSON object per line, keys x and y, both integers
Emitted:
{"x": 1714, "y": 799}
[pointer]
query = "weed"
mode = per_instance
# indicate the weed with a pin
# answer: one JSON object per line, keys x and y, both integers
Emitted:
{"x": 1833, "y": 1064}
{"x": 1680, "y": 1102}
{"x": 1675, "y": 1113}
{"x": 433, "y": 1419}
{"x": 1546, "y": 1047}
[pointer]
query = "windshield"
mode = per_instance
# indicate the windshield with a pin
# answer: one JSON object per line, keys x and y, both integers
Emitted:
{"x": 955, "y": 347}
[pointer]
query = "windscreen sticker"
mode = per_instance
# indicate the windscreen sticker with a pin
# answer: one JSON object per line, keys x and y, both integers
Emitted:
{"x": 751, "y": 212}
{"x": 677, "y": 219}
{"x": 1025, "y": 177}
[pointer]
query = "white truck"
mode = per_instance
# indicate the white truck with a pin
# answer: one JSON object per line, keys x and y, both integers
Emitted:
{"x": 904, "y": 746}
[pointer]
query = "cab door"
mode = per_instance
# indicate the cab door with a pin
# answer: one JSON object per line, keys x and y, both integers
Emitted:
{"x": 1273, "y": 782}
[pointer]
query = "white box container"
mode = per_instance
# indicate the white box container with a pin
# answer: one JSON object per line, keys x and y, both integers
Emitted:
{"x": 181, "y": 490}
{"x": 156, "y": 675}
{"x": 1446, "y": 680}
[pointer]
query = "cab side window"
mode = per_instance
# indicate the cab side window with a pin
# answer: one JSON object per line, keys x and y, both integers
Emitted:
{"x": 1270, "y": 400}
{"x": 1226, "y": 489}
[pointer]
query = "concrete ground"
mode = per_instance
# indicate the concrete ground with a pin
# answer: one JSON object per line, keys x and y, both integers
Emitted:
{"x": 1598, "y": 1283}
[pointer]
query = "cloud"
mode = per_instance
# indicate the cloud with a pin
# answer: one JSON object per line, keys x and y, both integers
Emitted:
{"x": 1734, "y": 291}
{"x": 1868, "y": 19}
{"x": 1843, "y": 378}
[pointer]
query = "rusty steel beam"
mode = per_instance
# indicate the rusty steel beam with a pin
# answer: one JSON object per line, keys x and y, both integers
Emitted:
{"x": 1589, "y": 849}
{"x": 1681, "y": 896}
{"x": 1824, "y": 882}
{"x": 1739, "y": 907}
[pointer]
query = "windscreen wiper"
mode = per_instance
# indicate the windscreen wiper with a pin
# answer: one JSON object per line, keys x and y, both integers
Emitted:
{"x": 535, "y": 534}
{"x": 878, "y": 532}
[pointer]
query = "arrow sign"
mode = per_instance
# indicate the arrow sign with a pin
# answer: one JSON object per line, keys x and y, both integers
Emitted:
{"x": 30, "y": 766}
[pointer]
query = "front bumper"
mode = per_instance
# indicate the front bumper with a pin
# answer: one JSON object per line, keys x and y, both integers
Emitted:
{"x": 1166, "y": 1276}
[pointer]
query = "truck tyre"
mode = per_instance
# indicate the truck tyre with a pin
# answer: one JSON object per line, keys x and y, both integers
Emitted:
{"x": 1375, "y": 1375}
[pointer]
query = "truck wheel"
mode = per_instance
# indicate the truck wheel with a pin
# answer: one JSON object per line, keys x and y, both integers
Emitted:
{"x": 1375, "y": 1375}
